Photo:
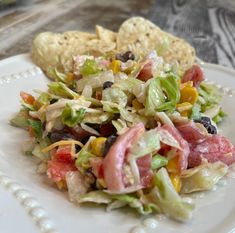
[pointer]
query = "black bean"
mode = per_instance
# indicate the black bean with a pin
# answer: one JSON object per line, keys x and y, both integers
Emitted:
{"x": 206, "y": 122}
{"x": 108, "y": 143}
{"x": 125, "y": 56}
{"x": 77, "y": 148}
{"x": 107, "y": 84}
{"x": 120, "y": 57}
{"x": 60, "y": 135}
{"x": 129, "y": 55}
{"x": 206, "y": 119}
{"x": 52, "y": 101}
{"x": 211, "y": 129}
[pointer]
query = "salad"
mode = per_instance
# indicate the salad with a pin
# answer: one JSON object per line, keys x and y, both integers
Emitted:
{"x": 125, "y": 131}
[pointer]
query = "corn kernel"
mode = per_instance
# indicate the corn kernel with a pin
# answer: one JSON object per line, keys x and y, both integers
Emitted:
{"x": 176, "y": 181}
{"x": 188, "y": 94}
{"x": 184, "y": 108}
{"x": 115, "y": 66}
{"x": 97, "y": 146}
{"x": 186, "y": 84}
{"x": 172, "y": 165}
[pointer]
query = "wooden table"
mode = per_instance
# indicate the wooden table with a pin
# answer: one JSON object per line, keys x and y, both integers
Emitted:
{"x": 209, "y": 25}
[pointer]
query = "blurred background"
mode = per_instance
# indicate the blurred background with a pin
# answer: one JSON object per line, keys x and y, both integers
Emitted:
{"x": 209, "y": 25}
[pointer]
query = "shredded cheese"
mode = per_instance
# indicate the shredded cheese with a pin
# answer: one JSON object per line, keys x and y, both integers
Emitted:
{"x": 62, "y": 143}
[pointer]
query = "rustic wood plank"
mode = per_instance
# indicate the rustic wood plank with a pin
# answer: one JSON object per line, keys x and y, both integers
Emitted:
{"x": 209, "y": 25}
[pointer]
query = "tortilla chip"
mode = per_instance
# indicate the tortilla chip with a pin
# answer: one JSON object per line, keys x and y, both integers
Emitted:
{"x": 142, "y": 36}
{"x": 52, "y": 50}
{"x": 106, "y": 34}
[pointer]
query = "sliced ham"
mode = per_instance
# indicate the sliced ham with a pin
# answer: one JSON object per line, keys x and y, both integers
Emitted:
{"x": 114, "y": 160}
{"x": 146, "y": 174}
{"x": 184, "y": 152}
{"x": 193, "y": 74}
{"x": 146, "y": 73}
{"x": 214, "y": 148}
{"x": 192, "y": 132}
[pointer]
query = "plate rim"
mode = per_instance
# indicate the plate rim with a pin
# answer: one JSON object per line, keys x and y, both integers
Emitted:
{"x": 33, "y": 66}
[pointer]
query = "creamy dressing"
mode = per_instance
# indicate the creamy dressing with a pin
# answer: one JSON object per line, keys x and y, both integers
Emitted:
{"x": 150, "y": 223}
{"x": 138, "y": 229}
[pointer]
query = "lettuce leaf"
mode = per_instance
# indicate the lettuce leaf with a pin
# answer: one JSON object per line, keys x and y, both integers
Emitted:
{"x": 203, "y": 177}
{"x": 71, "y": 116}
{"x": 164, "y": 195}
{"x": 117, "y": 201}
{"x": 163, "y": 94}
{"x": 147, "y": 143}
{"x": 155, "y": 96}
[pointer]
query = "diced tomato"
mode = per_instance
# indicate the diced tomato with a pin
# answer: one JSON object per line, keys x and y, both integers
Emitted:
{"x": 194, "y": 74}
{"x": 114, "y": 160}
{"x": 27, "y": 98}
{"x": 146, "y": 72}
{"x": 106, "y": 130}
{"x": 63, "y": 154}
{"x": 57, "y": 170}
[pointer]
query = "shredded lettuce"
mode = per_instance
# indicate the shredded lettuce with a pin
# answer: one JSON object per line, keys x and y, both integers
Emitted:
{"x": 89, "y": 67}
{"x": 97, "y": 117}
{"x": 219, "y": 117}
{"x": 202, "y": 177}
{"x": 147, "y": 143}
{"x": 37, "y": 151}
{"x": 44, "y": 98}
{"x": 196, "y": 112}
{"x": 164, "y": 195}
{"x": 115, "y": 95}
{"x": 128, "y": 83}
{"x": 71, "y": 116}
{"x": 155, "y": 96}
{"x": 36, "y": 127}
{"x": 21, "y": 119}
{"x": 60, "y": 89}
{"x": 58, "y": 76}
{"x": 158, "y": 161}
{"x": 95, "y": 80}
{"x": 116, "y": 108}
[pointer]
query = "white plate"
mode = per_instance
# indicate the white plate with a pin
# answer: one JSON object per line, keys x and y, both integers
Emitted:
{"x": 34, "y": 205}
